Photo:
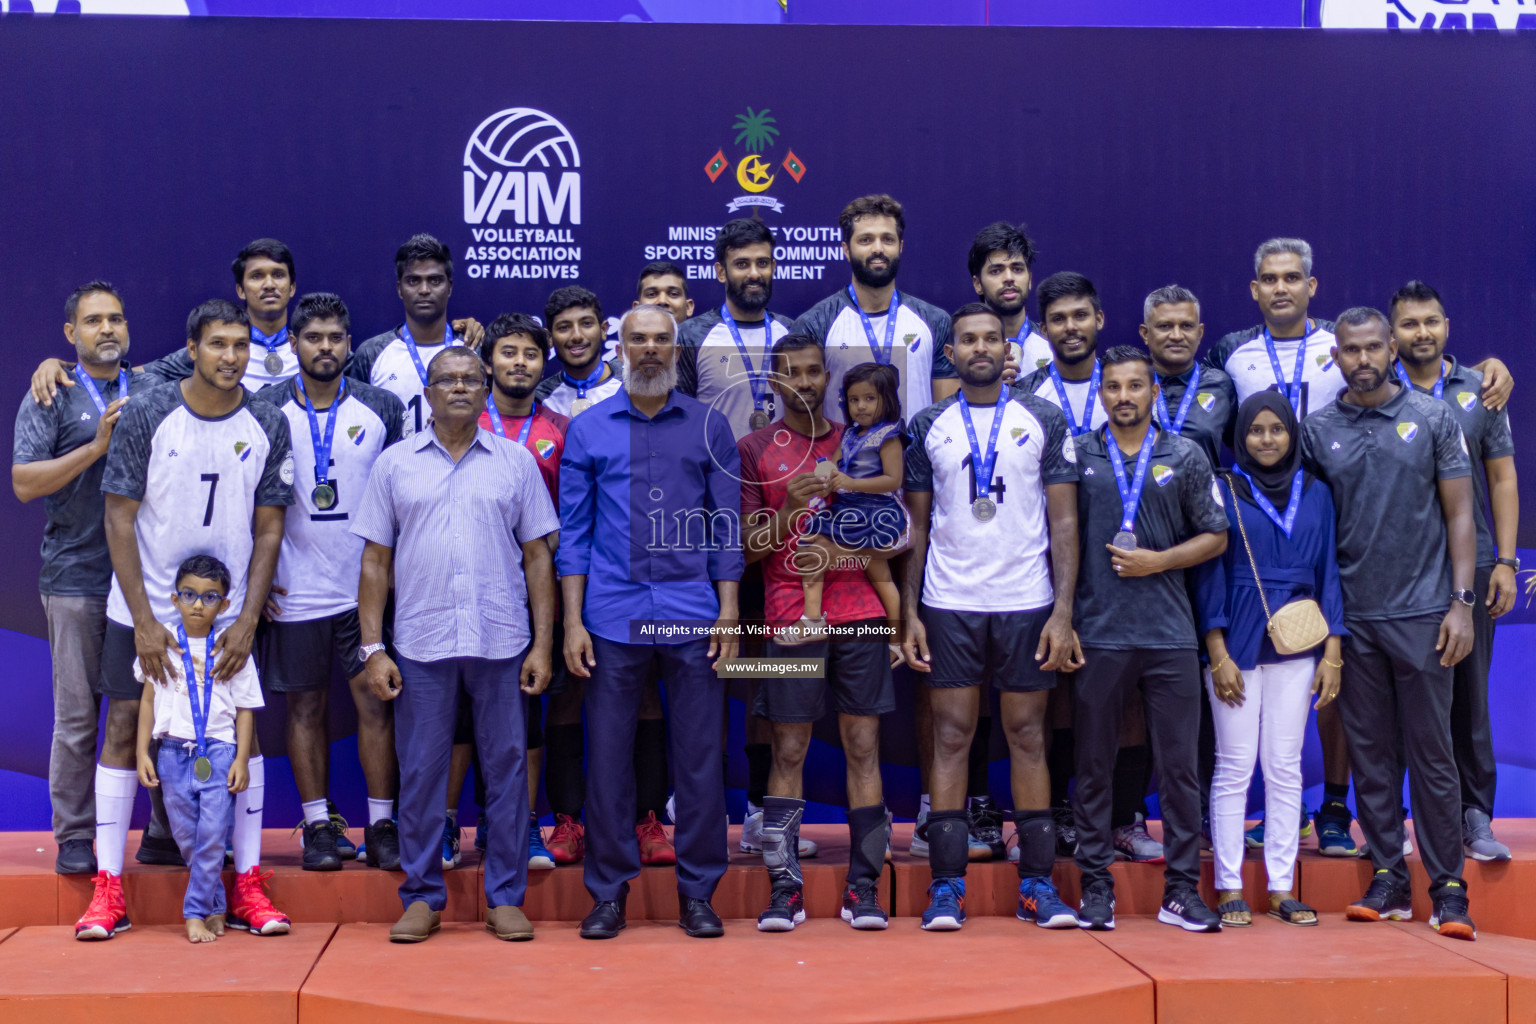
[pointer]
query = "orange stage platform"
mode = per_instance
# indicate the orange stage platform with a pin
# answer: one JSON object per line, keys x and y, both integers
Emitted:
{"x": 337, "y": 959}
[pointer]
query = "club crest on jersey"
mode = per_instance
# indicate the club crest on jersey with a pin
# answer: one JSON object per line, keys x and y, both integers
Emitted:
{"x": 1466, "y": 400}
{"x": 243, "y": 449}
{"x": 1407, "y": 431}
{"x": 910, "y": 341}
{"x": 543, "y": 446}
{"x": 1205, "y": 400}
{"x": 1161, "y": 475}
{"x": 355, "y": 433}
{"x": 1019, "y": 435}
{"x": 1325, "y": 361}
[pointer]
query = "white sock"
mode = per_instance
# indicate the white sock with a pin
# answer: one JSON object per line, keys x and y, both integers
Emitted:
{"x": 752, "y": 809}
{"x": 923, "y": 804}
{"x": 115, "y": 790}
{"x": 248, "y": 818}
{"x": 315, "y": 811}
{"x": 380, "y": 810}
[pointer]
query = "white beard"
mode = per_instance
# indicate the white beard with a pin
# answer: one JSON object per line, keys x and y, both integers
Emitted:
{"x": 641, "y": 386}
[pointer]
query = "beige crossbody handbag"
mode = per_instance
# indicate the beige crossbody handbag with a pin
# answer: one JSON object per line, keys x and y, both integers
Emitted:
{"x": 1297, "y": 627}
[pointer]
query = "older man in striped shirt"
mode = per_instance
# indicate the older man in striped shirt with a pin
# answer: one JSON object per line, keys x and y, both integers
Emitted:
{"x": 465, "y": 522}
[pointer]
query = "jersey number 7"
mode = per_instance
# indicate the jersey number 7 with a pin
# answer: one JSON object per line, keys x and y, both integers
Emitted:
{"x": 212, "y": 480}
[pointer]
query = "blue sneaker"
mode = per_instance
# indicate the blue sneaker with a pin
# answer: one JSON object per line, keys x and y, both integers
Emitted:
{"x": 946, "y": 905}
{"x": 1041, "y": 903}
{"x": 539, "y": 857}
{"x": 1333, "y": 837}
{"x": 1253, "y": 839}
{"x": 450, "y": 844}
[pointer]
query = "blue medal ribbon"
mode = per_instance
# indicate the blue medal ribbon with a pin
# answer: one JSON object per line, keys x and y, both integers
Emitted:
{"x": 410, "y": 346}
{"x": 89, "y": 383}
{"x": 322, "y": 448}
{"x": 1024, "y": 332}
{"x": 587, "y": 382}
{"x": 882, "y": 355}
{"x": 199, "y": 712}
{"x": 1402, "y": 373}
{"x": 270, "y": 342}
{"x": 1177, "y": 424}
{"x": 983, "y": 464}
{"x": 756, "y": 380}
{"x": 1292, "y": 388}
{"x": 500, "y": 429}
{"x": 1130, "y": 494}
{"x": 1073, "y": 427}
{"x": 1292, "y": 506}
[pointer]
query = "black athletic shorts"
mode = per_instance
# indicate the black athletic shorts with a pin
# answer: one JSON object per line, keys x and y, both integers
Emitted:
{"x": 295, "y": 657}
{"x": 115, "y": 681}
{"x": 971, "y": 648}
{"x": 858, "y": 672}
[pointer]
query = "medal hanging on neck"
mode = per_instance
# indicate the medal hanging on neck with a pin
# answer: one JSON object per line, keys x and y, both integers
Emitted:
{"x": 1177, "y": 423}
{"x": 499, "y": 429}
{"x": 1130, "y": 493}
{"x": 410, "y": 346}
{"x": 882, "y": 354}
{"x": 89, "y": 383}
{"x": 757, "y": 381}
{"x": 1292, "y": 389}
{"x": 202, "y": 768}
{"x": 1075, "y": 428}
{"x": 273, "y": 363}
{"x": 324, "y": 494}
{"x": 1016, "y": 343}
{"x": 1402, "y": 374}
{"x": 982, "y": 505}
{"x": 582, "y": 403}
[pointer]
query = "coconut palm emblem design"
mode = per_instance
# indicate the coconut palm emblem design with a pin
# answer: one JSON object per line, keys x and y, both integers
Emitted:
{"x": 756, "y": 132}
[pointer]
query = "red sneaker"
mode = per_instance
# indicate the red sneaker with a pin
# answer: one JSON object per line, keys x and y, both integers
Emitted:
{"x": 568, "y": 843}
{"x": 251, "y": 910}
{"x": 655, "y": 847}
{"x": 108, "y": 913}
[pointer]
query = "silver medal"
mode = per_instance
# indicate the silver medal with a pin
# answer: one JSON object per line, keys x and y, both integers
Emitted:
{"x": 580, "y": 405}
{"x": 984, "y": 509}
{"x": 324, "y": 496}
{"x": 203, "y": 769}
{"x": 759, "y": 419}
{"x": 273, "y": 363}
{"x": 1125, "y": 540}
{"x": 824, "y": 470}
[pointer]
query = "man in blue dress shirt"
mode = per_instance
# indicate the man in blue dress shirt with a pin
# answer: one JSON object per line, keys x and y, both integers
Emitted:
{"x": 650, "y": 552}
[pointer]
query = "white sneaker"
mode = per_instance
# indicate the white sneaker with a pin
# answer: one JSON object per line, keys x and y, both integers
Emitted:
{"x": 919, "y": 847}
{"x": 752, "y": 835}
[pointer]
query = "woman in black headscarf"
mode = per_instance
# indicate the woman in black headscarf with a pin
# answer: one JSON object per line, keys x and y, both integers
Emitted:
{"x": 1259, "y": 696}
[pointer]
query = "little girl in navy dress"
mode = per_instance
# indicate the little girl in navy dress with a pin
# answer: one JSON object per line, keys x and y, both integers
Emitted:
{"x": 866, "y": 519}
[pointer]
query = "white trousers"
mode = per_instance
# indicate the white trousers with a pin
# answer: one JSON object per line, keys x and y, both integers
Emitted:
{"x": 1269, "y": 727}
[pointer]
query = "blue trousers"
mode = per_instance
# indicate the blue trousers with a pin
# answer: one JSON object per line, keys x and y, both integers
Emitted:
{"x": 201, "y": 815}
{"x": 696, "y": 702}
{"x": 425, "y": 714}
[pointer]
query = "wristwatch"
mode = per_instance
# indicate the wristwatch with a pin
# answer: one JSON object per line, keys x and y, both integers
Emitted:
{"x": 1513, "y": 563}
{"x": 369, "y": 650}
{"x": 1466, "y": 597}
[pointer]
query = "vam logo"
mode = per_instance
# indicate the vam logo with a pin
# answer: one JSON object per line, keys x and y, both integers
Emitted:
{"x": 523, "y": 162}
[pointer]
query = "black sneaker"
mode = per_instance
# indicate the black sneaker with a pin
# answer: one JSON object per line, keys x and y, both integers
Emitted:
{"x": 1450, "y": 917}
{"x": 344, "y": 846}
{"x": 159, "y": 850}
{"x": 1184, "y": 907}
{"x": 381, "y": 844}
{"x": 786, "y": 908}
{"x": 76, "y": 857}
{"x": 1384, "y": 900}
{"x": 320, "y": 847}
{"x": 986, "y": 825}
{"x": 1066, "y": 830}
{"x": 1096, "y": 912}
{"x": 862, "y": 909}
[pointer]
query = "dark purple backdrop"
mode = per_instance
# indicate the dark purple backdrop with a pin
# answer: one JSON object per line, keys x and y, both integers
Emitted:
{"x": 148, "y": 151}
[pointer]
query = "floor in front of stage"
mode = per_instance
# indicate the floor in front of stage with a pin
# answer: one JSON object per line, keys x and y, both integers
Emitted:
{"x": 337, "y": 957}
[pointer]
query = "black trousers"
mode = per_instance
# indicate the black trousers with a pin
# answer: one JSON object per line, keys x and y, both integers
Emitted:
{"x": 1396, "y": 704}
{"x": 1471, "y": 731}
{"x": 1170, "y": 685}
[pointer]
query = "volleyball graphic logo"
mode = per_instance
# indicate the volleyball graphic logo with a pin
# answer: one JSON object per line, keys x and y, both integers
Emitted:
{"x": 523, "y": 162}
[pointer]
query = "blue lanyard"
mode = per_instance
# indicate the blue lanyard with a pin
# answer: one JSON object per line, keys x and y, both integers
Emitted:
{"x": 199, "y": 713}
{"x": 322, "y": 449}
{"x": 587, "y": 382}
{"x": 410, "y": 346}
{"x": 1024, "y": 332}
{"x": 1288, "y": 521}
{"x": 757, "y": 381}
{"x": 983, "y": 464}
{"x": 1292, "y": 388}
{"x": 500, "y": 429}
{"x": 270, "y": 342}
{"x": 1177, "y": 425}
{"x": 89, "y": 383}
{"x": 882, "y": 355}
{"x": 1402, "y": 373}
{"x": 1130, "y": 494}
{"x": 1066, "y": 407}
